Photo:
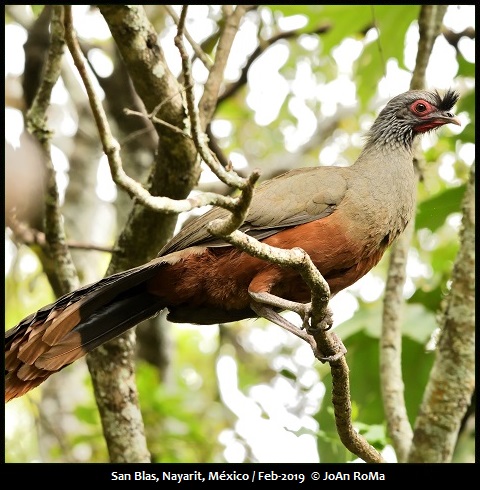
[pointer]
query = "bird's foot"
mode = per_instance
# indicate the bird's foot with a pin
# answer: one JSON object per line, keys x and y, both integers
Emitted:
{"x": 340, "y": 350}
{"x": 262, "y": 303}
{"x": 326, "y": 323}
{"x": 304, "y": 310}
{"x": 274, "y": 317}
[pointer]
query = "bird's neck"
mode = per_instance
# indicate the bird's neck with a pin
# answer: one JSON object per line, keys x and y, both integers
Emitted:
{"x": 385, "y": 161}
{"x": 390, "y": 173}
{"x": 388, "y": 187}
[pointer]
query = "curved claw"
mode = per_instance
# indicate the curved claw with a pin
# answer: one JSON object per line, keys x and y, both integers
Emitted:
{"x": 262, "y": 303}
{"x": 342, "y": 351}
{"x": 325, "y": 324}
{"x": 305, "y": 313}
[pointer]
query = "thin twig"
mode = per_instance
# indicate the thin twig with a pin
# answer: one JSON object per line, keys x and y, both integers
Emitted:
{"x": 201, "y": 55}
{"x": 322, "y": 342}
{"x": 112, "y": 148}
{"x": 199, "y": 137}
{"x": 234, "y": 87}
{"x": 26, "y": 235}
{"x": 130, "y": 112}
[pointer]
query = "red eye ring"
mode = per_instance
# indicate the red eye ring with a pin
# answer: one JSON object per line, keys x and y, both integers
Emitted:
{"x": 421, "y": 107}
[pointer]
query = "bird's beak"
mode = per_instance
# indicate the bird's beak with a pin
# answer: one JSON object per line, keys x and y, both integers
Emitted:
{"x": 436, "y": 119}
{"x": 444, "y": 118}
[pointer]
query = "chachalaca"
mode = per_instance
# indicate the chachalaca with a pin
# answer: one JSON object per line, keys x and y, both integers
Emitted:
{"x": 343, "y": 217}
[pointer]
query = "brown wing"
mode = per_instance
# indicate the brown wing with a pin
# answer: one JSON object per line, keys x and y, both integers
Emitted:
{"x": 293, "y": 198}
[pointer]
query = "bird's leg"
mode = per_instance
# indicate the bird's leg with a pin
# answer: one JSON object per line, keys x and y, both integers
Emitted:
{"x": 261, "y": 306}
{"x": 274, "y": 317}
{"x": 304, "y": 310}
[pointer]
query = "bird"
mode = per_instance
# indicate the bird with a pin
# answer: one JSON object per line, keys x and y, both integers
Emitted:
{"x": 343, "y": 217}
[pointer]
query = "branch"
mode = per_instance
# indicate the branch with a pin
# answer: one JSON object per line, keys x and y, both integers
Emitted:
{"x": 452, "y": 379}
{"x": 429, "y": 26}
{"x": 201, "y": 55}
{"x": 29, "y": 236}
{"x": 391, "y": 382}
{"x": 112, "y": 148}
{"x": 323, "y": 343}
{"x": 36, "y": 124}
{"x": 454, "y": 37}
{"x": 233, "y": 88}
{"x": 209, "y": 100}
{"x": 398, "y": 425}
{"x": 174, "y": 174}
{"x": 225, "y": 175}
{"x": 112, "y": 365}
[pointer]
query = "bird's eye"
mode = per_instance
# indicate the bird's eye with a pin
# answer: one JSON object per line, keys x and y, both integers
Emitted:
{"x": 420, "y": 107}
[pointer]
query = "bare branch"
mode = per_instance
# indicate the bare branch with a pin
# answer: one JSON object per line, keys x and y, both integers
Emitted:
{"x": 398, "y": 425}
{"x": 112, "y": 148}
{"x": 392, "y": 385}
{"x": 429, "y": 25}
{"x": 201, "y": 55}
{"x": 36, "y": 124}
{"x": 233, "y": 88}
{"x": 29, "y": 236}
{"x": 454, "y": 37}
{"x": 156, "y": 120}
{"x": 452, "y": 379}
{"x": 322, "y": 342}
{"x": 351, "y": 439}
{"x": 199, "y": 137}
{"x": 208, "y": 102}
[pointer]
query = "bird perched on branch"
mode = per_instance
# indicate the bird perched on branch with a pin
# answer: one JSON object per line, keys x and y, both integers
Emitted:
{"x": 343, "y": 217}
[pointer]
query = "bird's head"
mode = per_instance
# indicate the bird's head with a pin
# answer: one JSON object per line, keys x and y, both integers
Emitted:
{"x": 412, "y": 113}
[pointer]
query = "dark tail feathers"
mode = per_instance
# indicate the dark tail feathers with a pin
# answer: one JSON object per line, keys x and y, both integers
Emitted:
{"x": 66, "y": 330}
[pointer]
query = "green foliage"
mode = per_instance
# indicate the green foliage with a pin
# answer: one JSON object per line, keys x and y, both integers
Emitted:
{"x": 467, "y": 104}
{"x": 354, "y": 21}
{"x": 391, "y": 23}
{"x": 184, "y": 414}
{"x": 183, "y": 417}
{"x": 433, "y": 212}
{"x": 182, "y": 424}
{"x": 367, "y": 407}
{"x": 19, "y": 300}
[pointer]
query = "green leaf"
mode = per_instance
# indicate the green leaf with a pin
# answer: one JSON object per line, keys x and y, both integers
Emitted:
{"x": 288, "y": 374}
{"x": 367, "y": 319}
{"x": 465, "y": 68}
{"x": 467, "y": 104}
{"x": 392, "y": 22}
{"x": 87, "y": 414}
{"x": 430, "y": 300}
{"x": 374, "y": 433}
{"x": 432, "y": 212}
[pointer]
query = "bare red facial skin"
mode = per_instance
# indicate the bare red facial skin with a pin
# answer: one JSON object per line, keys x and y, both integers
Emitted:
{"x": 423, "y": 109}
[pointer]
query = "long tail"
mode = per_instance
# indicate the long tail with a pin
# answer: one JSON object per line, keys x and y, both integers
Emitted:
{"x": 60, "y": 333}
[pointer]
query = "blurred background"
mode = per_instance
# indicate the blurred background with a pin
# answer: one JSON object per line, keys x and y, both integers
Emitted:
{"x": 302, "y": 86}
